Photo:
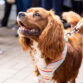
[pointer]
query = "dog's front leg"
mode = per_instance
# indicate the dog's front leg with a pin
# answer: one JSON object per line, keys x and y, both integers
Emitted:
{"x": 38, "y": 78}
{"x": 36, "y": 71}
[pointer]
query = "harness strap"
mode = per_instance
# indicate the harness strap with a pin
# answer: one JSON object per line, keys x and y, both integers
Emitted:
{"x": 47, "y": 73}
{"x": 59, "y": 63}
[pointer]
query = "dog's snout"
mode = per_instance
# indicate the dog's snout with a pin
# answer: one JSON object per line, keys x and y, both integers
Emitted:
{"x": 21, "y": 14}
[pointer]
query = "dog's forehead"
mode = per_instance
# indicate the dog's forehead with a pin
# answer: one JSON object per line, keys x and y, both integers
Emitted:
{"x": 40, "y": 10}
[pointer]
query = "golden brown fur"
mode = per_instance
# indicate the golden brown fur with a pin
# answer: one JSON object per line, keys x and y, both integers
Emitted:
{"x": 71, "y": 17}
{"x": 51, "y": 43}
{"x": 81, "y": 30}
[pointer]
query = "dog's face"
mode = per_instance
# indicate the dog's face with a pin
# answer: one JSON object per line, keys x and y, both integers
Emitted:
{"x": 44, "y": 27}
{"x": 32, "y": 22}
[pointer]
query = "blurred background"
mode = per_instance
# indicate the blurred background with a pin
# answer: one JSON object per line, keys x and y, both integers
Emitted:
{"x": 9, "y": 8}
{"x": 16, "y": 66}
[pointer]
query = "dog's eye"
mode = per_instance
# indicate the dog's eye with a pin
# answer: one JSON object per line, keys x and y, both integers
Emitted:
{"x": 37, "y": 14}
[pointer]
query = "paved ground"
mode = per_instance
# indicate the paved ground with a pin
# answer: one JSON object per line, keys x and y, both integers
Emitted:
{"x": 15, "y": 66}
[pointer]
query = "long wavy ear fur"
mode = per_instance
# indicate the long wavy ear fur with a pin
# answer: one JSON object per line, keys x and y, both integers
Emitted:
{"x": 25, "y": 43}
{"x": 51, "y": 41}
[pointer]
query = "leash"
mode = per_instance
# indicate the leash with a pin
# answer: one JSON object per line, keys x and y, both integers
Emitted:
{"x": 75, "y": 29}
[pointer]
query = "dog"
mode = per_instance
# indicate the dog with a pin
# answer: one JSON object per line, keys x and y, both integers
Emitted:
{"x": 71, "y": 17}
{"x": 42, "y": 32}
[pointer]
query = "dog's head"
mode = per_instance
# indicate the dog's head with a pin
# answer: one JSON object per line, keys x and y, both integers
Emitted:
{"x": 32, "y": 22}
{"x": 71, "y": 17}
{"x": 42, "y": 26}
{"x": 31, "y": 25}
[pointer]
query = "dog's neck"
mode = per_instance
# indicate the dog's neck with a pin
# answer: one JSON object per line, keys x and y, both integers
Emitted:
{"x": 38, "y": 56}
{"x": 36, "y": 53}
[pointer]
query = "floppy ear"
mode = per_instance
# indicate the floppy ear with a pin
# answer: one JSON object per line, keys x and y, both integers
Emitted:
{"x": 25, "y": 43}
{"x": 51, "y": 41}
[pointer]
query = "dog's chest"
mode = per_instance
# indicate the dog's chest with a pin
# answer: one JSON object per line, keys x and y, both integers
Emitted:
{"x": 36, "y": 52}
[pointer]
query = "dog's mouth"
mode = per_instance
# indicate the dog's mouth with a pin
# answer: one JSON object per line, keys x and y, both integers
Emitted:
{"x": 28, "y": 30}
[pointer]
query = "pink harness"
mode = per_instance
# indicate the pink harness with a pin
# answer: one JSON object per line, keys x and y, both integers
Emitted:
{"x": 47, "y": 72}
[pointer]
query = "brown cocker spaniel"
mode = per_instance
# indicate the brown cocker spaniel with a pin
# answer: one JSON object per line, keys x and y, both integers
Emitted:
{"x": 42, "y": 32}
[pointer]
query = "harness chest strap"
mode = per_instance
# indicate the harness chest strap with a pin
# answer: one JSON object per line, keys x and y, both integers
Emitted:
{"x": 47, "y": 72}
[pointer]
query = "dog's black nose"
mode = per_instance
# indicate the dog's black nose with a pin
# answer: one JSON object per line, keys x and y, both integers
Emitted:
{"x": 21, "y": 14}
